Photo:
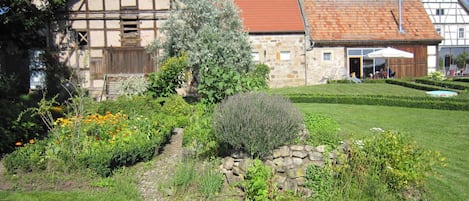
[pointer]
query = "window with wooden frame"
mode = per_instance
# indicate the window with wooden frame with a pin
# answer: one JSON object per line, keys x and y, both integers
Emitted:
{"x": 129, "y": 32}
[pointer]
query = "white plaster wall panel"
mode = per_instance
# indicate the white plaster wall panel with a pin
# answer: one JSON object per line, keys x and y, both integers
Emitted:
{"x": 162, "y": 4}
{"x": 79, "y": 24}
{"x": 145, "y": 4}
{"x": 96, "y": 53}
{"x": 113, "y": 38}
{"x": 147, "y": 36}
{"x": 95, "y": 5}
{"x": 113, "y": 24}
{"x": 96, "y": 39}
{"x": 96, "y": 24}
{"x": 128, "y": 2}
{"x": 112, "y": 4}
{"x": 145, "y": 24}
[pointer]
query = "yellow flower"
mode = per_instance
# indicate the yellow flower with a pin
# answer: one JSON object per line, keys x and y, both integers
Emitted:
{"x": 18, "y": 143}
{"x": 31, "y": 141}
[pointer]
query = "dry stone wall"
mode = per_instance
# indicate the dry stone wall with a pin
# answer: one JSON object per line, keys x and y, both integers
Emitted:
{"x": 289, "y": 164}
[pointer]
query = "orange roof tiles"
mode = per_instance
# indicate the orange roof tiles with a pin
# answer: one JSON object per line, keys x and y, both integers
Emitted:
{"x": 261, "y": 16}
{"x": 342, "y": 21}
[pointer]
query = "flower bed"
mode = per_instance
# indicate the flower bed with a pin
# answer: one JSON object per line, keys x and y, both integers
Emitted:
{"x": 98, "y": 142}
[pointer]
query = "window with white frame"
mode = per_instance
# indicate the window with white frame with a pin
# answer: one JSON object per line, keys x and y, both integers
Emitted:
{"x": 255, "y": 56}
{"x": 285, "y": 55}
{"x": 326, "y": 56}
{"x": 461, "y": 33}
{"x": 440, "y": 11}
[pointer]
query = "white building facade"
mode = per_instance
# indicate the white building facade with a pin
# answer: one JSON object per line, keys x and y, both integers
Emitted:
{"x": 451, "y": 21}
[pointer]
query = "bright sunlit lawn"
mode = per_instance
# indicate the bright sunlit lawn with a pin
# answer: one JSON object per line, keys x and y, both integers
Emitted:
{"x": 439, "y": 130}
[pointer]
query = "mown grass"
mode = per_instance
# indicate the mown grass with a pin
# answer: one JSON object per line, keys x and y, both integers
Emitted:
{"x": 439, "y": 130}
{"x": 352, "y": 89}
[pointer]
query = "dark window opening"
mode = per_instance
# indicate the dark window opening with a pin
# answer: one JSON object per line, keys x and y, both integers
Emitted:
{"x": 440, "y": 11}
{"x": 82, "y": 37}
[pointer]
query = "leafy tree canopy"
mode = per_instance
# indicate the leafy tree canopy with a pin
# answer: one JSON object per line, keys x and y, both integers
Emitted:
{"x": 22, "y": 22}
{"x": 211, "y": 33}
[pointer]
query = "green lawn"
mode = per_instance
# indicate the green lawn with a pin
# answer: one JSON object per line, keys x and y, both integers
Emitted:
{"x": 439, "y": 130}
{"x": 352, "y": 89}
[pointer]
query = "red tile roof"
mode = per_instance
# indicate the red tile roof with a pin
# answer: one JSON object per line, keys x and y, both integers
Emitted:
{"x": 260, "y": 16}
{"x": 368, "y": 21}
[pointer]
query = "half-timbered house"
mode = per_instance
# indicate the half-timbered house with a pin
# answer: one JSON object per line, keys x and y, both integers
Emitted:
{"x": 105, "y": 39}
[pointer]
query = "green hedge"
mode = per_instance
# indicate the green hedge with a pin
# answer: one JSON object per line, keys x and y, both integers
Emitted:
{"x": 415, "y": 85}
{"x": 461, "y": 79}
{"x": 413, "y": 102}
{"x": 445, "y": 84}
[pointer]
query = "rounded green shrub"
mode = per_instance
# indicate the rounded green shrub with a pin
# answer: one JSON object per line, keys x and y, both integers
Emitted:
{"x": 256, "y": 123}
{"x": 323, "y": 130}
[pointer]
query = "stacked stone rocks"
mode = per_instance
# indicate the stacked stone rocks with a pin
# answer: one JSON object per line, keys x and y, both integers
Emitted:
{"x": 289, "y": 164}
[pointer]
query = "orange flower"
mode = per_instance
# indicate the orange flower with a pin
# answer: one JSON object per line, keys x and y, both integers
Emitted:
{"x": 31, "y": 141}
{"x": 18, "y": 143}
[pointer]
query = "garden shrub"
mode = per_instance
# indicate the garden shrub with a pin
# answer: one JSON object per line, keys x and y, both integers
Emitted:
{"x": 135, "y": 105}
{"x": 132, "y": 86}
{"x": 402, "y": 164}
{"x": 256, "y": 123}
{"x": 170, "y": 77}
{"x": 384, "y": 166}
{"x": 218, "y": 83}
{"x": 437, "y": 75}
{"x": 323, "y": 130}
{"x": 199, "y": 138}
{"x": 258, "y": 183}
{"x": 175, "y": 106}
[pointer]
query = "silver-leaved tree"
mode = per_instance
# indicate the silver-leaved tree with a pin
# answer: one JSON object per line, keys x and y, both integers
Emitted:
{"x": 211, "y": 33}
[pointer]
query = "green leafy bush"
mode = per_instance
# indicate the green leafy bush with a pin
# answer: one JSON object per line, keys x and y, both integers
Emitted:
{"x": 199, "y": 138}
{"x": 184, "y": 174}
{"x": 170, "y": 77}
{"x": 437, "y": 75}
{"x": 258, "y": 182}
{"x": 133, "y": 86}
{"x": 256, "y": 123}
{"x": 323, "y": 130}
{"x": 218, "y": 83}
{"x": 175, "y": 106}
{"x": 402, "y": 164}
{"x": 136, "y": 105}
{"x": 385, "y": 166}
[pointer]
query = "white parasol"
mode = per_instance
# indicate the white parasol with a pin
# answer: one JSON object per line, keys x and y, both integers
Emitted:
{"x": 390, "y": 53}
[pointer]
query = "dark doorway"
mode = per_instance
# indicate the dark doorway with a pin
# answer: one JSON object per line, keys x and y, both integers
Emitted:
{"x": 355, "y": 67}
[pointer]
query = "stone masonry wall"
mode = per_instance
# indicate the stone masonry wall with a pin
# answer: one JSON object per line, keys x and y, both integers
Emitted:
{"x": 288, "y": 162}
{"x": 283, "y": 71}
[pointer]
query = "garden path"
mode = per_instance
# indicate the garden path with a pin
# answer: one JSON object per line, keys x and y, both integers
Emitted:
{"x": 151, "y": 185}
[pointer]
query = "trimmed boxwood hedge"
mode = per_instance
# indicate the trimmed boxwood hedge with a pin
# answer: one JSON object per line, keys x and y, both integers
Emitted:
{"x": 415, "y": 85}
{"x": 413, "y": 102}
{"x": 461, "y": 79}
{"x": 450, "y": 85}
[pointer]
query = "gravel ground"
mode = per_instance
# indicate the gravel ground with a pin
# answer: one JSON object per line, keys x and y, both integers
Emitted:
{"x": 151, "y": 186}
